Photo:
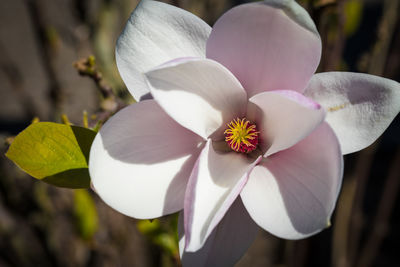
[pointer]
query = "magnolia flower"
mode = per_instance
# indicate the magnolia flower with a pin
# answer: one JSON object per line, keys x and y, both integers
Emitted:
{"x": 233, "y": 127}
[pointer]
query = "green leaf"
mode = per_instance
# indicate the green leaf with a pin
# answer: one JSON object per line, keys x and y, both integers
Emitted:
{"x": 167, "y": 242}
{"x": 149, "y": 228}
{"x": 54, "y": 153}
{"x": 85, "y": 214}
{"x": 163, "y": 234}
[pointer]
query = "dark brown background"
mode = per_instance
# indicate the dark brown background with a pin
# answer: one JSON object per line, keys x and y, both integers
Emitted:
{"x": 40, "y": 40}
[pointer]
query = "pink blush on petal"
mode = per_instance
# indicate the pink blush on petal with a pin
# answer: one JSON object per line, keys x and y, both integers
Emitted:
{"x": 299, "y": 98}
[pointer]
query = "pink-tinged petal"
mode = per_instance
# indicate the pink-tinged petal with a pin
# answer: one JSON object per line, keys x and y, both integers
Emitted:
{"x": 156, "y": 33}
{"x": 359, "y": 106}
{"x": 200, "y": 94}
{"x": 283, "y": 118}
{"x": 216, "y": 181}
{"x": 227, "y": 242}
{"x": 141, "y": 159}
{"x": 292, "y": 193}
{"x": 269, "y": 45}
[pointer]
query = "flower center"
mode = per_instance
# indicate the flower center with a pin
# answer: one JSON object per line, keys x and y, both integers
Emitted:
{"x": 241, "y": 135}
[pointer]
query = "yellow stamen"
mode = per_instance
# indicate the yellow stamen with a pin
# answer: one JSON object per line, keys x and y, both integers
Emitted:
{"x": 241, "y": 135}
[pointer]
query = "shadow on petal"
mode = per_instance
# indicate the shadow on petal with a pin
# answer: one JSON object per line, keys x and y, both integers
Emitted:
{"x": 179, "y": 182}
{"x": 292, "y": 193}
{"x": 309, "y": 178}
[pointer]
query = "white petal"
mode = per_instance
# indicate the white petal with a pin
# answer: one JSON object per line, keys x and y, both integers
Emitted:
{"x": 292, "y": 193}
{"x": 140, "y": 161}
{"x": 214, "y": 184}
{"x": 200, "y": 94}
{"x": 268, "y": 45}
{"x": 227, "y": 242}
{"x": 156, "y": 33}
{"x": 283, "y": 118}
{"x": 359, "y": 106}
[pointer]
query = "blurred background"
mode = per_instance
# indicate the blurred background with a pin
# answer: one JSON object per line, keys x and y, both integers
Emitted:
{"x": 41, "y": 225}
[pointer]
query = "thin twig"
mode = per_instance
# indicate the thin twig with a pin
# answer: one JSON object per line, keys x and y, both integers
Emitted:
{"x": 377, "y": 62}
{"x": 110, "y": 102}
{"x": 381, "y": 220}
{"x": 355, "y": 223}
